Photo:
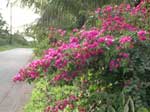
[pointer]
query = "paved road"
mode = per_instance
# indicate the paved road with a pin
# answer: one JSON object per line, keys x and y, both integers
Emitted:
{"x": 13, "y": 95}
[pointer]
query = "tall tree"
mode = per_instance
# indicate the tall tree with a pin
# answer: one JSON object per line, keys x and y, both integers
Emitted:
{"x": 66, "y": 14}
{"x": 3, "y": 27}
{"x": 57, "y": 11}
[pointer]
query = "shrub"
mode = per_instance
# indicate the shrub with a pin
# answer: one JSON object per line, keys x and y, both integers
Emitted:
{"x": 109, "y": 63}
{"x": 38, "y": 100}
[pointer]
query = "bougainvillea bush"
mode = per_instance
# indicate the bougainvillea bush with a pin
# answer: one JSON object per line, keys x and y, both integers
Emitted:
{"x": 107, "y": 67}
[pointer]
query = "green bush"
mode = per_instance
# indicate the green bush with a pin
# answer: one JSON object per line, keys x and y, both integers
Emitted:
{"x": 3, "y": 41}
{"x": 109, "y": 64}
{"x": 45, "y": 94}
{"x": 38, "y": 100}
{"x": 40, "y": 47}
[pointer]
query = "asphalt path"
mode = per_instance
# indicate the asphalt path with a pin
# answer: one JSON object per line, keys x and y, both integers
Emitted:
{"x": 13, "y": 96}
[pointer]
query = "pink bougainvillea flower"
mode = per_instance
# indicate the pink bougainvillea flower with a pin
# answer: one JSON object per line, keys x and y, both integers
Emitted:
{"x": 124, "y": 55}
{"x": 125, "y": 39}
{"x": 101, "y": 40}
{"x": 20, "y": 76}
{"x": 128, "y": 7}
{"x": 17, "y": 78}
{"x": 114, "y": 64}
{"x": 75, "y": 30}
{"x": 74, "y": 40}
{"x": 47, "y": 109}
{"x": 109, "y": 40}
{"x": 62, "y": 104}
{"x": 91, "y": 34}
{"x": 97, "y": 11}
{"x": 108, "y": 8}
{"x": 142, "y": 35}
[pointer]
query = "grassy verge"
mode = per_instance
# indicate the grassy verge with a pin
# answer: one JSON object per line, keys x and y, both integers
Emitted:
{"x": 8, "y": 47}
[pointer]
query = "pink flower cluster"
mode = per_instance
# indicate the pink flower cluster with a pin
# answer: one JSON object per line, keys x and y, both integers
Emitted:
{"x": 62, "y": 104}
{"x": 97, "y": 11}
{"x": 109, "y": 43}
{"x": 75, "y": 30}
{"x": 61, "y": 32}
{"x": 125, "y": 39}
{"x": 116, "y": 63}
{"x": 142, "y": 35}
{"x": 138, "y": 10}
{"x": 69, "y": 58}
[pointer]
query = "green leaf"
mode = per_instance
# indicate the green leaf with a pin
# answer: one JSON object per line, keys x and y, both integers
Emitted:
{"x": 126, "y": 108}
{"x": 131, "y": 104}
{"x": 142, "y": 109}
{"x": 111, "y": 109}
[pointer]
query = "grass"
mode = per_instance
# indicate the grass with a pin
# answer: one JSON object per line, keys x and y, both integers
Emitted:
{"x": 8, "y": 47}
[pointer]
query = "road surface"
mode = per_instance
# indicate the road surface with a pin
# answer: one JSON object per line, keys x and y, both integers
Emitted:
{"x": 13, "y": 96}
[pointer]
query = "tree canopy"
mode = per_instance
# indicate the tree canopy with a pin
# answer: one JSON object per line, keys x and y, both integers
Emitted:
{"x": 3, "y": 27}
{"x": 62, "y": 12}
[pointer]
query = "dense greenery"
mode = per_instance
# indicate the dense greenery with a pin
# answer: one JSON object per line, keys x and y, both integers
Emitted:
{"x": 3, "y": 31}
{"x": 102, "y": 67}
{"x": 64, "y": 14}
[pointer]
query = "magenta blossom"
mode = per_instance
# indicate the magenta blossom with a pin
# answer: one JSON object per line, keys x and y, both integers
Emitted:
{"x": 17, "y": 78}
{"x": 75, "y": 30}
{"x": 142, "y": 35}
{"x": 74, "y": 40}
{"x": 124, "y": 55}
{"x": 114, "y": 64}
{"x": 108, "y": 8}
{"x": 128, "y": 7}
{"x": 98, "y": 10}
{"x": 125, "y": 39}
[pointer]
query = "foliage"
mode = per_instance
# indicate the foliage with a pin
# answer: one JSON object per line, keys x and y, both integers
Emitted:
{"x": 45, "y": 94}
{"x": 3, "y": 31}
{"x": 65, "y": 14}
{"x": 5, "y": 36}
{"x": 17, "y": 40}
{"x": 41, "y": 47}
{"x": 56, "y": 10}
{"x": 38, "y": 99}
{"x": 109, "y": 62}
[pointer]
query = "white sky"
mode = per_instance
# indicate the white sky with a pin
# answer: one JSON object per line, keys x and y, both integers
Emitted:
{"x": 21, "y": 16}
